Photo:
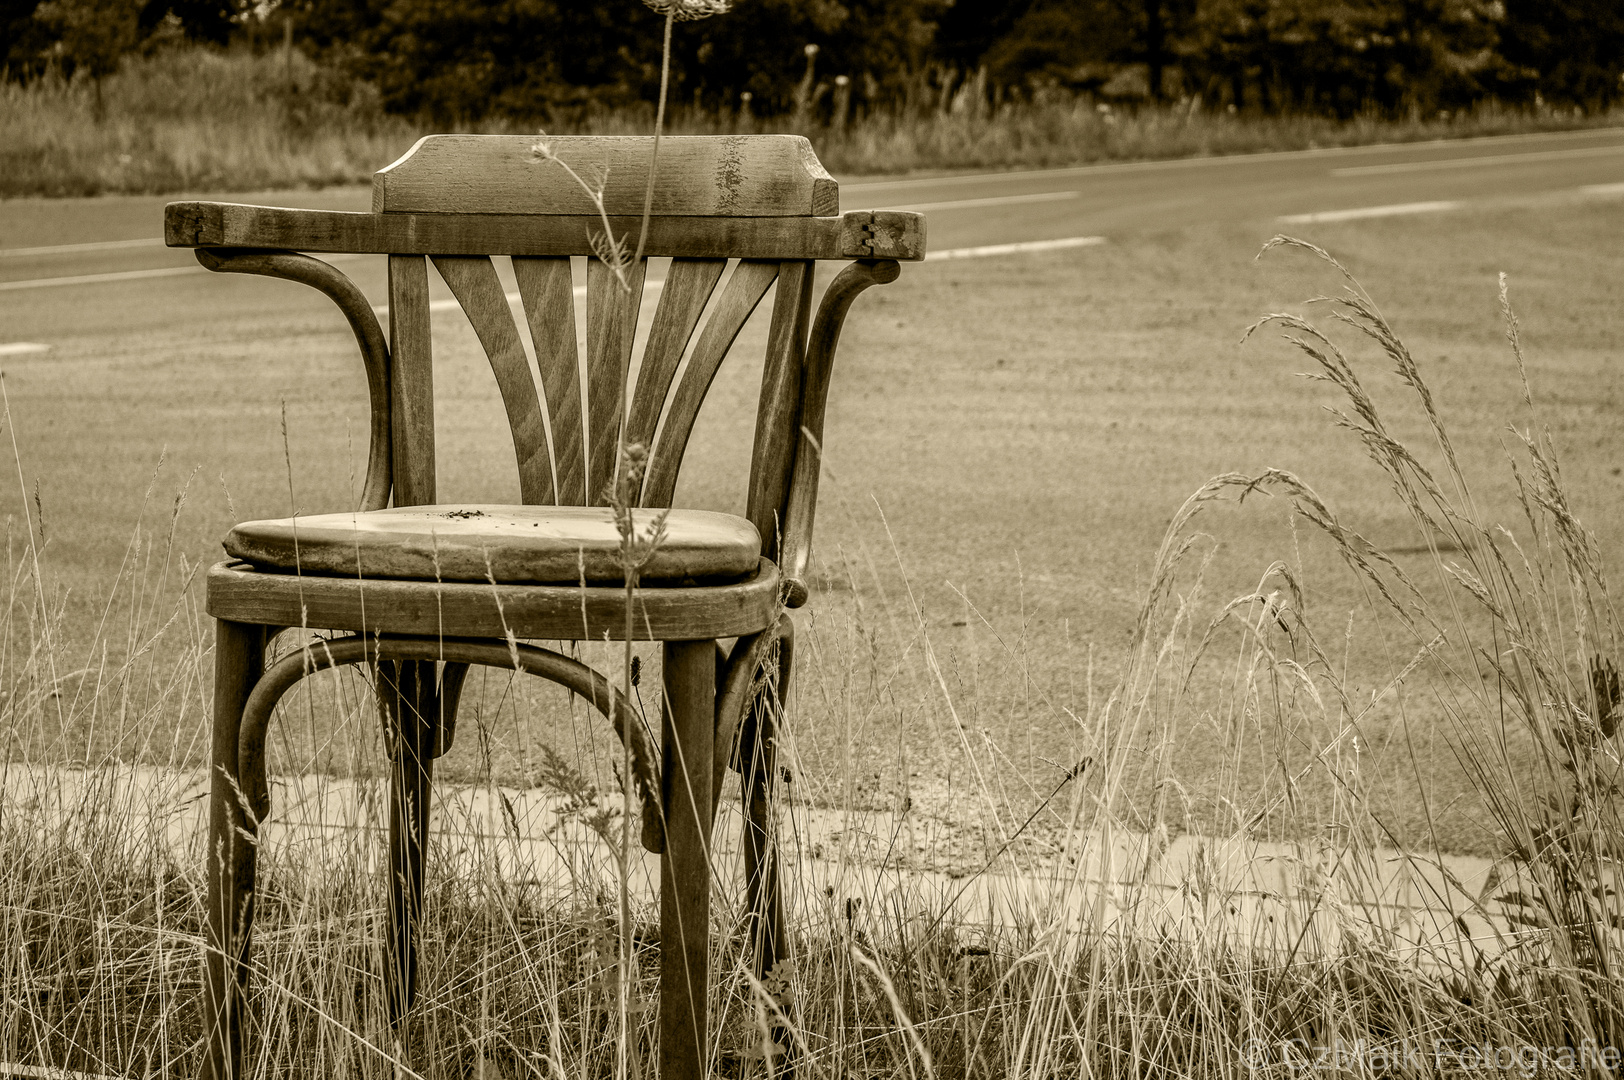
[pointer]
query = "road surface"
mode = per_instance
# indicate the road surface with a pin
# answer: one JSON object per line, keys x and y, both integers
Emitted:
{"x": 87, "y": 267}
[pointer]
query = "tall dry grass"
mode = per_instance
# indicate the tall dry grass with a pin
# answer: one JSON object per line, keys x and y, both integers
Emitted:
{"x": 199, "y": 119}
{"x": 1090, "y": 941}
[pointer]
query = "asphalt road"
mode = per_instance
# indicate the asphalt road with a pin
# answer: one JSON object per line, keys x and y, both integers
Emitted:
{"x": 78, "y": 267}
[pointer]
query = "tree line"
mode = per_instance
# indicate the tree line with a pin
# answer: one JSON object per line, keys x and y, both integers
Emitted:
{"x": 465, "y": 60}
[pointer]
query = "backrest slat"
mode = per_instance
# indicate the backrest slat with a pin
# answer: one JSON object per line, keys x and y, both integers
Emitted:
{"x": 411, "y": 380}
{"x": 611, "y": 323}
{"x": 745, "y": 287}
{"x": 474, "y": 282}
{"x": 547, "y": 289}
{"x": 778, "y": 415}
{"x": 688, "y": 286}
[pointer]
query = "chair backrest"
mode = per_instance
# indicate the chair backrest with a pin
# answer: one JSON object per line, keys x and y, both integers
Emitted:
{"x": 705, "y": 180}
{"x": 458, "y": 201}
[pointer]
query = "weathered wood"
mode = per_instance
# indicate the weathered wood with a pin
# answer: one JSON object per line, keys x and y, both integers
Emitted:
{"x": 863, "y": 234}
{"x": 239, "y": 656}
{"x": 408, "y": 693}
{"x": 321, "y": 654}
{"x": 758, "y": 768}
{"x": 689, "y": 674}
{"x": 459, "y": 201}
{"x": 696, "y": 175}
{"x": 611, "y": 323}
{"x": 512, "y": 544}
{"x": 745, "y": 287}
{"x": 808, "y": 461}
{"x": 411, "y": 381}
{"x": 778, "y": 414}
{"x": 688, "y": 286}
{"x": 465, "y": 609}
{"x": 547, "y": 290}
{"x": 474, "y": 283}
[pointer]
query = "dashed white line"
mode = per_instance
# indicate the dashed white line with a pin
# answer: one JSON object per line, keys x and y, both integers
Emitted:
{"x": 71, "y": 249}
{"x": 23, "y": 348}
{"x": 1014, "y": 249}
{"x": 98, "y": 279}
{"x": 1476, "y": 162}
{"x": 124, "y": 275}
{"x": 991, "y": 200}
{"x": 648, "y": 288}
{"x": 1360, "y": 212}
{"x": 1602, "y": 189}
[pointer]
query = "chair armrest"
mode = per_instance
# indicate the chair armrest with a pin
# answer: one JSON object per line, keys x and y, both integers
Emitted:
{"x": 820, "y": 357}
{"x": 331, "y": 282}
{"x": 858, "y": 234}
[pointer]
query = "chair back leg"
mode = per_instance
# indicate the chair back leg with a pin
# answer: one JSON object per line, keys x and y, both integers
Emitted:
{"x": 411, "y": 705}
{"x": 688, "y": 729}
{"x": 758, "y": 760}
{"x": 239, "y": 657}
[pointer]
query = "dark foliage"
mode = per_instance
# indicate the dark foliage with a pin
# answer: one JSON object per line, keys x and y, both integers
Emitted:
{"x": 556, "y": 61}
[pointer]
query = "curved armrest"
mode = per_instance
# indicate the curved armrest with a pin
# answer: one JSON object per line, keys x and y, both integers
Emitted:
{"x": 820, "y": 358}
{"x": 342, "y": 291}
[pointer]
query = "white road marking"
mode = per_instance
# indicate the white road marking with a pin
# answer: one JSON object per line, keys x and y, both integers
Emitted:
{"x": 1368, "y": 212}
{"x": 1602, "y": 189}
{"x": 1012, "y": 249}
{"x": 1475, "y": 162}
{"x": 71, "y": 249}
{"x": 23, "y": 348}
{"x": 97, "y": 279}
{"x": 127, "y": 275}
{"x": 993, "y": 200}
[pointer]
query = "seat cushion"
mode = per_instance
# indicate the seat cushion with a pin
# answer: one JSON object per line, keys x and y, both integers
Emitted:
{"x": 510, "y": 544}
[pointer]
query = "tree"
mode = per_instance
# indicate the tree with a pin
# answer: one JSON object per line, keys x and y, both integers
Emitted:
{"x": 91, "y": 36}
{"x": 549, "y": 60}
{"x": 1569, "y": 51}
{"x": 1343, "y": 56}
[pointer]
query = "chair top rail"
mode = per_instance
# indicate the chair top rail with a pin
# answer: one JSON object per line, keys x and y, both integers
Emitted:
{"x": 860, "y": 234}
{"x": 696, "y": 176}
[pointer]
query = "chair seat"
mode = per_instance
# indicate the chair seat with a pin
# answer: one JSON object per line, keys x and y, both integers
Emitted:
{"x": 240, "y": 593}
{"x": 515, "y": 545}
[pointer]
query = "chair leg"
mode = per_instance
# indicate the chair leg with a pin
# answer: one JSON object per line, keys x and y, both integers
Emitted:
{"x": 688, "y": 734}
{"x": 408, "y": 692}
{"x": 759, "y": 758}
{"x": 239, "y": 657}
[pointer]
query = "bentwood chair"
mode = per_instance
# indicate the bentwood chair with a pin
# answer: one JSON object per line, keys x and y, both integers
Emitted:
{"x": 418, "y": 588}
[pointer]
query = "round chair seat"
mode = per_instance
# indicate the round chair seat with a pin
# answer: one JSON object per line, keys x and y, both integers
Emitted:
{"x": 505, "y": 544}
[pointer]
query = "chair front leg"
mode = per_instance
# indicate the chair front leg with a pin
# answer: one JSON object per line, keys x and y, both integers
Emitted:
{"x": 239, "y": 658}
{"x": 688, "y": 734}
{"x": 412, "y": 712}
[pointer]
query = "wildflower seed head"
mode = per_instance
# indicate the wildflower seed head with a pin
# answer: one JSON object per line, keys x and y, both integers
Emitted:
{"x": 636, "y": 461}
{"x": 689, "y": 10}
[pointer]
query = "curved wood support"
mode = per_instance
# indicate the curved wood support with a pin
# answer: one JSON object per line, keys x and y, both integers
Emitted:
{"x": 820, "y": 356}
{"x": 737, "y": 683}
{"x": 332, "y": 283}
{"x": 555, "y": 667}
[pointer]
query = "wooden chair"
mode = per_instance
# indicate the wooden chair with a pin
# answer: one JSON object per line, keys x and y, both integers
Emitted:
{"x": 420, "y": 589}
